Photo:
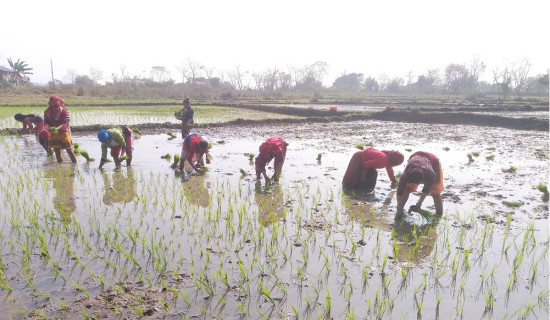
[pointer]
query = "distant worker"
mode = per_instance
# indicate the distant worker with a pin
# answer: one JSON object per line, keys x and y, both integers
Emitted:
{"x": 362, "y": 173}
{"x": 55, "y": 119}
{"x": 193, "y": 149}
{"x": 422, "y": 168}
{"x": 120, "y": 140}
{"x": 28, "y": 120}
{"x": 186, "y": 116}
{"x": 274, "y": 147}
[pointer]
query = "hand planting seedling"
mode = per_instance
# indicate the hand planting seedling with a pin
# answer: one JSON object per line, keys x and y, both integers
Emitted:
{"x": 427, "y": 215}
{"x": 176, "y": 161}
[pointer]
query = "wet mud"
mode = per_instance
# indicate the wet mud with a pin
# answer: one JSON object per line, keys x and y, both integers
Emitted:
{"x": 483, "y": 188}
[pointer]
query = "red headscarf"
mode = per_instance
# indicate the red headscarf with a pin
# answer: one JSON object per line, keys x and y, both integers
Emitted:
{"x": 395, "y": 158}
{"x": 55, "y": 100}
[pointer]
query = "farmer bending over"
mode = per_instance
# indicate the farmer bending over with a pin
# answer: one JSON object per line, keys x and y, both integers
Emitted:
{"x": 119, "y": 140}
{"x": 28, "y": 120}
{"x": 422, "y": 168}
{"x": 194, "y": 147}
{"x": 274, "y": 147}
{"x": 362, "y": 173}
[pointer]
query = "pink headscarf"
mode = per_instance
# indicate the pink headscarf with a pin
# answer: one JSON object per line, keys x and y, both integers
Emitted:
{"x": 55, "y": 100}
{"x": 395, "y": 158}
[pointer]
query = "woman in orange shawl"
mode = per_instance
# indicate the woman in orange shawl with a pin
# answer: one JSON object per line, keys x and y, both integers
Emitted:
{"x": 422, "y": 168}
{"x": 55, "y": 118}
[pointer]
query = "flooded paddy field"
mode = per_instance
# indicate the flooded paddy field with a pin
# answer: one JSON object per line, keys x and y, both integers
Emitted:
{"x": 79, "y": 242}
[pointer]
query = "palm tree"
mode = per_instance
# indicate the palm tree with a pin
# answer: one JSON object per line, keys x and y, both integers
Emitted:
{"x": 20, "y": 69}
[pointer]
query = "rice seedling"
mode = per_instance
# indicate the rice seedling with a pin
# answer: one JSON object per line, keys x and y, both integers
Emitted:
{"x": 360, "y": 146}
{"x": 166, "y": 156}
{"x": 513, "y": 204}
{"x": 511, "y": 169}
{"x": 408, "y": 149}
{"x": 470, "y": 157}
{"x": 319, "y": 156}
{"x": 542, "y": 188}
{"x": 490, "y": 157}
{"x": 475, "y": 154}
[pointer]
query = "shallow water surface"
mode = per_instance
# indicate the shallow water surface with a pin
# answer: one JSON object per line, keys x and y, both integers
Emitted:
{"x": 146, "y": 241}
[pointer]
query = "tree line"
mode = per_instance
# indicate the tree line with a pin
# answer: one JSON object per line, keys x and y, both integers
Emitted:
{"x": 455, "y": 78}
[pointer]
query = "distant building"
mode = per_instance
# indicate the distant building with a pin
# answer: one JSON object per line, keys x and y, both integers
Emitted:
{"x": 6, "y": 74}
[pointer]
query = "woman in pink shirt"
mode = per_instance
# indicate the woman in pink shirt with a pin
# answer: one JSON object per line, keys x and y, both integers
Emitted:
{"x": 362, "y": 173}
{"x": 272, "y": 148}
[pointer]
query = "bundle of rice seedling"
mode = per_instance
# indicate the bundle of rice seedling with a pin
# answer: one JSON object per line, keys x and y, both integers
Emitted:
{"x": 427, "y": 215}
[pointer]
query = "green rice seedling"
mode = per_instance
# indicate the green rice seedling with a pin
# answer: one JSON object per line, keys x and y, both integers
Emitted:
{"x": 475, "y": 154}
{"x": 86, "y": 156}
{"x": 409, "y": 150}
{"x": 170, "y": 133}
{"x": 359, "y": 146}
{"x": 166, "y": 156}
{"x": 491, "y": 157}
{"x": 319, "y": 155}
{"x": 136, "y": 130}
{"x": 512, "y": 169}
{"x": 513, "y": 204}
{"x": 176, "y": 160}
{"x": 542, "y": 188}
{"x": 470, "y": 157}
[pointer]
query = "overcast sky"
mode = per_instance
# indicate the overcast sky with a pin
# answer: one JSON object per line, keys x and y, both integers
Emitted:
{"x": 369, "y": 37}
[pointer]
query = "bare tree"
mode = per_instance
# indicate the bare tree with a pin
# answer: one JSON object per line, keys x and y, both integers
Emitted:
{"x": 208, "y": 72}
{"x": 194, "y": 68}
{"x": 184, "y": 72}
{"x": 236, "y": 78}
{"x": 502, "y": 79}
{"x": 476, "y": 69}
{"x": 383, "y": 81}
{"x": 520, "y": 75}
{"x": 159, "y": 74}
{"x": 457, "y": 78}
{"x": 96, "y": 75}
{"x": 258, "y": 80}
{"x": 123, "y": 73}
{"x": 71, "y": 73}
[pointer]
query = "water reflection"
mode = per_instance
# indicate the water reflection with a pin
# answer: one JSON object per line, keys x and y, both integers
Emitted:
{"x": 411, "y": 241}
{"x": 270, "y": 203}
{"x": 122, "y": 189}
{"x": 195, "y": 189}
{"x": 63, "y": 178}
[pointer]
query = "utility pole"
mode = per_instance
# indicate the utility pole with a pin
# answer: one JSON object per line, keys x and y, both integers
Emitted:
{"x": 53, "y": 80}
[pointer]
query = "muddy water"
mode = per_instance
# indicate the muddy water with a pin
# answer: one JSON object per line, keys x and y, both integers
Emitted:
{"x": 313, "y": 250}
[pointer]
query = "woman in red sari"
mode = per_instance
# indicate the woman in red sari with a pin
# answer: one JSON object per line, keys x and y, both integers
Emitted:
{"x": 272, "y": 148}
{"x": 362, "y": 173}
{"x": 55, "y": 118}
